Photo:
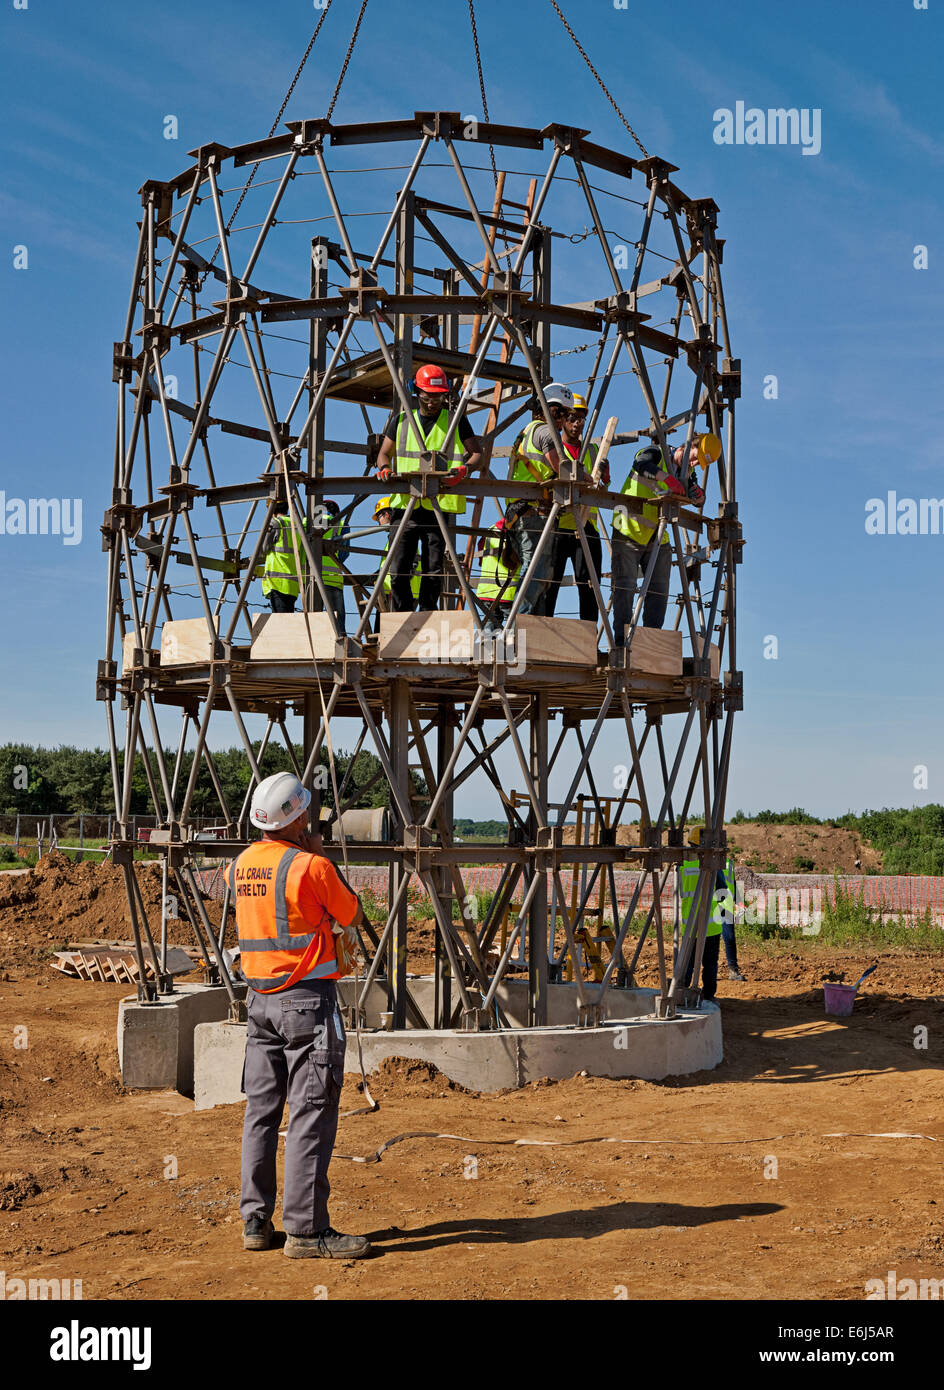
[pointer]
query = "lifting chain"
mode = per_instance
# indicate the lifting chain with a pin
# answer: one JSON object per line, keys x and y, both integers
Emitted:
{"x": 603, "y": 86}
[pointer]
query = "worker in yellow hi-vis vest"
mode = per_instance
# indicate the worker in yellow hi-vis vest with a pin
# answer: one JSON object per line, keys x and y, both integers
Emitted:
{"x": 653, "y": 473}
{"x": 399, "y": 454}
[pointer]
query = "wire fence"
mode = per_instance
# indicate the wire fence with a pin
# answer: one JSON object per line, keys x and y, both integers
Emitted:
{"x": 86, "y": 832}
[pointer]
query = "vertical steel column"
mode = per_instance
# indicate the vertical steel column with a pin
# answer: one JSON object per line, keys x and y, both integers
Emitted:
{"x": 541, "y": 293}
{"x": 311, "y": 598}
{"x": 403, "y": 332}
{"x": 445, "y": 742}
{"x": 538, "y": 927}
{"x": 399, "y": 759}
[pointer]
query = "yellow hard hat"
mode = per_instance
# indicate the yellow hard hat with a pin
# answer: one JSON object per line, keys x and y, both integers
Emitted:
{"x": 695, "y": 835}
{"x": 580, "y": 402}
{"x": 382, "y": 505}
{"x": 709, "y": 448}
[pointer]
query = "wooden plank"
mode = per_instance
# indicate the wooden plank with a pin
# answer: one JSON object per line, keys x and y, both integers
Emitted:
{"x": 714, "y": 656}
{"x": 427, "y": 637}
{"x": 563, "y": 641}
{"x": 656, "y": 652}
{"x": 285, "y": 637}
{"x": 128, "y": 644}
{"x": 185, "y": 640}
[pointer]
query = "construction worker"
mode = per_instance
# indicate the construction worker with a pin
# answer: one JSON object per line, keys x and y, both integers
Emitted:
{"x": 280, "y": 571}
{"x": 383, "y": 515}
{"x": 499, "y": 570}
{"x": 722, "y": 904}
{"x": 287, "y": 896}
{"x": 534, "y": 459}
{"x": 333, "y": 557}
{"x": 727, "y": 923}
{"x": 567, "y": 545}
{"x": 652, "y": 475}
{"x": 281, "y": 568}
{"x": 400, "y": 454}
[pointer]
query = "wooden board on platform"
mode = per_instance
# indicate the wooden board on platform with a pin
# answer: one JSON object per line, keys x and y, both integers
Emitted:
{"x": 714, "y": 656}
{"x": 656, "y": 652}
{"x": 128, "y": 644}
{"x": 285, "y": 637}
{"x": 450, "y": 637}
{"x": 427, "y": 637}
{"x": 563, "y": 641}
{"x": 185, "y": 640}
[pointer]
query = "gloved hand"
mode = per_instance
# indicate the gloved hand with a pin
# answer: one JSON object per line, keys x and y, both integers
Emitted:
{"x": 384, "y": 473}
{"x": 605, "y": 473}
{"x": 455, "y": 475}
{"x": 349, "y": 935}
{"x": 672, "y": 484}
{"x": 697, "y": 494}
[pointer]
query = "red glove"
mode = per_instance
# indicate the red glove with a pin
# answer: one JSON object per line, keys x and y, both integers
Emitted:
{"x": 384, "y": 473}
{"x": 697, "y": 494}
{"x": 455, "y": 475}
{"x": 605, "y": 475}
{"x": 673, "y": 485}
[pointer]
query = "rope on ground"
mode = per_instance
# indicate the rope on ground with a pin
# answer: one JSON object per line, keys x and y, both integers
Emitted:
{"x": 603, "y": 86}
{"x": 376, "y": 1156}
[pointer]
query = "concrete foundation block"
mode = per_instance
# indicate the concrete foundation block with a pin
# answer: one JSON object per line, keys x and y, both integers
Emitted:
{"x": 218, "y": 1053}
{"x": 635, "y": 1047}
{"x": 155, "y": 1041}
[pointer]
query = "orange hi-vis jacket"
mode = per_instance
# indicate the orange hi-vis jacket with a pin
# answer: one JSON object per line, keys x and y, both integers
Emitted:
{"x": 285, "y": 899}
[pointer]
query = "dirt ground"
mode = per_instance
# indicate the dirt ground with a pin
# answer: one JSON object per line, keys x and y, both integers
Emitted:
{"x": 738, "y": 1189}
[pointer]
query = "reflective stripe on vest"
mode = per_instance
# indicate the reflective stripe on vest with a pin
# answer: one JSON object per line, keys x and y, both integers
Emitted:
{"x": 410, "y": 449}
{"x": 330, "y": 569}
{"x": 286, "y": 949}
{"x": 688, "y": 889}
{"x": 565, "y": 522}
{"x": 527, "y": 452}
{"x": 631, "y": 525}
{"x": 280, "y": 572}
{"x": 496, "y": 578}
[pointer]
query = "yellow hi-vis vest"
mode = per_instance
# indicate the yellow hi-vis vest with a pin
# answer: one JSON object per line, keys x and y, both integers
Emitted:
{"x": 330, "y": 569}
{"x": 409, "y": 450}
{"x": 641, "y": 529}
{"x": 688, "y": 892}
{"x": 526, "y": 452}
{"x": 565, "y": 522}
{"x": 496, "y": 578}
{"x": 279, "y": 571}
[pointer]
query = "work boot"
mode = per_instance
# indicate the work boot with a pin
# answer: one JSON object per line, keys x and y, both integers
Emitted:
{"x": 326, "y": 1245}
{"x": 735, "y": 974}
{"x": 257, "y": 1233}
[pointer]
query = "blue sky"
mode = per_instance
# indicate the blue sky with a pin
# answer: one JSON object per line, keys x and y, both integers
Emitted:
{"x": 819, "y": 276}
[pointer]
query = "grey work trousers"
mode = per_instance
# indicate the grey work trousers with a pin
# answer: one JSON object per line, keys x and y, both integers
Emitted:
{"x": 629, "y": 568}
{"x": 295, "y": 1046}
{"x": 527, "y": 533}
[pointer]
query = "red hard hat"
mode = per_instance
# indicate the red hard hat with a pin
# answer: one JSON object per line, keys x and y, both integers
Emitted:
{"x": 432, "y": 379}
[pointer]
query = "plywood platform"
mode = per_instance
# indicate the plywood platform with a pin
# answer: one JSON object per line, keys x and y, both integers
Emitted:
{"x": 439, "y": 653}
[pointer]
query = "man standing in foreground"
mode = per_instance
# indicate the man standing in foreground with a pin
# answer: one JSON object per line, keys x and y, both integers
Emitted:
{"x": 286, "y": 895}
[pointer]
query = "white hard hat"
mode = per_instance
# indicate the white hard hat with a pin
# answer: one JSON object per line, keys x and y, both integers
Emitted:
{"x": 278, "y": 800}
{"x": 559, "y": 394}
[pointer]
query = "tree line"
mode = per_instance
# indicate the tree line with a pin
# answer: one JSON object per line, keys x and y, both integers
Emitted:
{"x": 71, "y": 781}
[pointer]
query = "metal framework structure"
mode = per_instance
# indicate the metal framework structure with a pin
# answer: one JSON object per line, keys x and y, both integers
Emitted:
{"x": 221, "y": 407}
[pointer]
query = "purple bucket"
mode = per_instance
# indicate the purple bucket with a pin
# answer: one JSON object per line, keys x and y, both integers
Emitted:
{"x": 839, "y": 999}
